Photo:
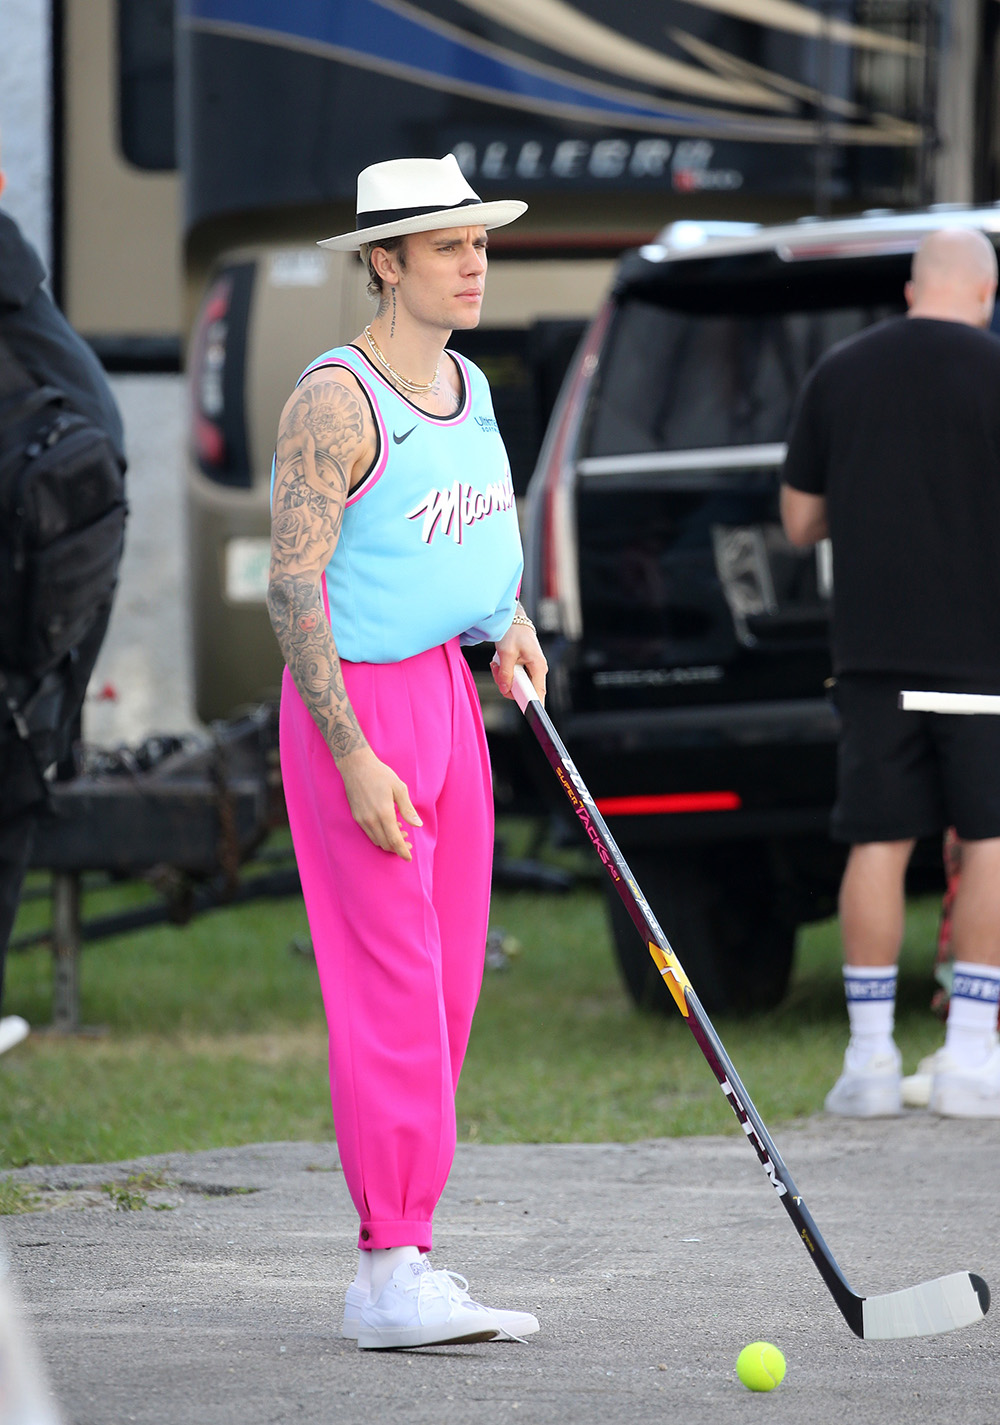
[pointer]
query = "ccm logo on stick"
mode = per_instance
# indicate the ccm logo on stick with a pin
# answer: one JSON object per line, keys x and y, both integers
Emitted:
{"x": 751, "y": 1133}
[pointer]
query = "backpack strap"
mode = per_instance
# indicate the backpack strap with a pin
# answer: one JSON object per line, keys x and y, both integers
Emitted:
{"x": 17, "y": 710}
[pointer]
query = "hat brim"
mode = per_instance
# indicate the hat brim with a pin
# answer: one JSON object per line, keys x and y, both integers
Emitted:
{"x": 469, "y": 215}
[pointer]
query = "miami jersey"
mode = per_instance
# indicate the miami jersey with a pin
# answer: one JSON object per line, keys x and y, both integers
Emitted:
{"x": 429, "y": 548}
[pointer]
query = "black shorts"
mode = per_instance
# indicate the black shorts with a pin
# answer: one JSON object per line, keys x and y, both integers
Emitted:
{"x": 912, "y": 774}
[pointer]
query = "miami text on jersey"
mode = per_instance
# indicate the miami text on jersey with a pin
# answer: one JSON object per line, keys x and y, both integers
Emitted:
{"x": 452, "y": 509}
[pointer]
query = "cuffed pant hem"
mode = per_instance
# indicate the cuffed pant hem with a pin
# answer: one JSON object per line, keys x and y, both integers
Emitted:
{"x": 374, "y": 1236}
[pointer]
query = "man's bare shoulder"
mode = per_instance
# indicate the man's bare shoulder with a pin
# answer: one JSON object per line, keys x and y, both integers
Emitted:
{"x": 327, "y": 420}
{"x": 331, "y": 396}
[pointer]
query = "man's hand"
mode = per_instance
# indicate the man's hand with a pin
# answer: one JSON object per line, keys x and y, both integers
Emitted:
{"x": 519, "y": 645}
{"x": 374, "y": 793}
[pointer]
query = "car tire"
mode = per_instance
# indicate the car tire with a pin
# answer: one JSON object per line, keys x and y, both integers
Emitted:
{"x": 719, "y": 910}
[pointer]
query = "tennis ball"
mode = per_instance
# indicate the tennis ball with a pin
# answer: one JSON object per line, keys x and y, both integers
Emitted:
{"x": 760, "y": 1366}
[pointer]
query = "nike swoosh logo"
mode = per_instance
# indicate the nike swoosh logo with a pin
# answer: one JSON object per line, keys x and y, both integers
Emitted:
{"x": 400, "y": 438}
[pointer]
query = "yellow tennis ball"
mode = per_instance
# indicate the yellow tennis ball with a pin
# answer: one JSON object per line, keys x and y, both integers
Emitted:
{"x": 760, "y": 1366}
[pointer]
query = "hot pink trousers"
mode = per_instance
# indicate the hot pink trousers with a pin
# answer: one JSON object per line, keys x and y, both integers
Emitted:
{"x": 399, "y": 945}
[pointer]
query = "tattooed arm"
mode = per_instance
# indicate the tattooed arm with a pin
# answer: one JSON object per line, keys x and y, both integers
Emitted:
{"x": 326, "y": 443}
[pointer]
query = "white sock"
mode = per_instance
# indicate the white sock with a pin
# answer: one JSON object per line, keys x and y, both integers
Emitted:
{"x": 363, "y": 1276}
{"x": 871, "y": 1010}
{"x": 971, "y": 1035}
{"x": 384, "y": 1261}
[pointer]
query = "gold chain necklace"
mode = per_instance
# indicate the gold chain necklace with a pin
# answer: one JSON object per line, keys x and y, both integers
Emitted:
{"x": 415, "y": 388}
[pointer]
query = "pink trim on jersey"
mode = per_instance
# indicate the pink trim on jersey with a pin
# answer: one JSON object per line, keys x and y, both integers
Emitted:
{"x": 426, "y": 415}
{"x": 378, "y": 470}
{"x": 468, "y": 386}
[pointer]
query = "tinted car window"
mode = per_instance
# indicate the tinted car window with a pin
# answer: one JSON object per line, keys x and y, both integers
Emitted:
{"x": 687, "y": 380}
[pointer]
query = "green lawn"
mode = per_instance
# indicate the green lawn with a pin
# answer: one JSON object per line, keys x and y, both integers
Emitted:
{"x": 212, "y": 1034}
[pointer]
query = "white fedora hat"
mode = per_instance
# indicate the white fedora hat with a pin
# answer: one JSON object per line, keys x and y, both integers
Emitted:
{"x": 417, "y": 195}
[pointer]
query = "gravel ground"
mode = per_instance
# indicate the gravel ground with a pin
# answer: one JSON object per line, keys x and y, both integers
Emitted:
{"x": 649, "y": 1266}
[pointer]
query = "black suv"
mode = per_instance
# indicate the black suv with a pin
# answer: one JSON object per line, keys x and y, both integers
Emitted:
{"x": 687, "y": 639}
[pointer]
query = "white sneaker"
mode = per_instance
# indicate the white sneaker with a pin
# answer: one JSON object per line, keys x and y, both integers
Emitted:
{"x": 917, "y": 1087}
{"x": 873, "y": 1091}
{"x": 419, "y": 1306}
{"x": 513, "y": 1324}
{"x": 957, "y": 1092}
{"x": 12, "y": 1030}
{"x": 516, "y": 1324}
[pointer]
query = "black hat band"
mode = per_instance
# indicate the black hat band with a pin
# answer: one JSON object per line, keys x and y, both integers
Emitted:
{"x": 377, "y": 218}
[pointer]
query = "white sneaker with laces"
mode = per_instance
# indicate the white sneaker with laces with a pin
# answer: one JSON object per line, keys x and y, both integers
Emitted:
{"x": 12, "y": 1030}
{"x": 514, "y": 1325}
{"x": 873, "y": 1090}
{"x": 419, "y": 1306}
{"x": 917, "y": 1087}
{"x": 958, "y": 1092}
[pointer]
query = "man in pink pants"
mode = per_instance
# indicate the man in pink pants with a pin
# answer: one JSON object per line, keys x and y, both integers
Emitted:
{"x": 395, "y": 541}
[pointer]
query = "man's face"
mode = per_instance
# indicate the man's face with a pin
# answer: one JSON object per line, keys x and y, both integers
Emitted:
{"x": 442, "y": 283}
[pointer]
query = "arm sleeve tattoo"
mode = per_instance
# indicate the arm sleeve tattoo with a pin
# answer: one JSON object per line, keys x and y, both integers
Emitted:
{"x": 321, "y": 434}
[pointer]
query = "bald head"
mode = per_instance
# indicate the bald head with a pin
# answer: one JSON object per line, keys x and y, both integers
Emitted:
{"x": 954, "y": 277}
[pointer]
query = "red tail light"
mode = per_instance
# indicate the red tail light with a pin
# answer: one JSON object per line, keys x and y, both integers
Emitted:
{"x": 217, "y": 384}
{"x": 207, "y": 373}
{"x": 674, "y": 802}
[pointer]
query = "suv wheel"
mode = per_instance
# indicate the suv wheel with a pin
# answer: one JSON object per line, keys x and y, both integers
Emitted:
{"x": 719, "y": 909}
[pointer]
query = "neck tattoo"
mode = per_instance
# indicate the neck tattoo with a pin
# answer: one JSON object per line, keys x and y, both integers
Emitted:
{"x": 413, "y": 388}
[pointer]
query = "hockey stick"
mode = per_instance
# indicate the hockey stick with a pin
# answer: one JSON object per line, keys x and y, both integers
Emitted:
{"x": 949, "y": 702}
{"x": 925, "y": 1310}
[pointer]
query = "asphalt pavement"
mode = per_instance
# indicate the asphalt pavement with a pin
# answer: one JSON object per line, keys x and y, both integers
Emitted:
{"x": 216, "y": 1297}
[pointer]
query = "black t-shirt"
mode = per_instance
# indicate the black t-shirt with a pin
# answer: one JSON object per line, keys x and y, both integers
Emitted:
{"x": 899, "y": 428}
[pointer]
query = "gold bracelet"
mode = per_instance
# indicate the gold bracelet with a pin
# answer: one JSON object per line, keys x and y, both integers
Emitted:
{"x": 520, "y": 617}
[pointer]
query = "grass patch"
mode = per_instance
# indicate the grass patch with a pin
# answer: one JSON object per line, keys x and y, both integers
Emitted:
{"x": 17, "y": 1197}
{"x": 213, "y": 1035}
{"x": 130, "y": 1195}
{"x": 124, "y": 1198}
{"x": 558, "y": 1052}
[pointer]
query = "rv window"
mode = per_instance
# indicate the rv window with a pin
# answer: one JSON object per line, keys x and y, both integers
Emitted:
{"x": 146, "y": 83}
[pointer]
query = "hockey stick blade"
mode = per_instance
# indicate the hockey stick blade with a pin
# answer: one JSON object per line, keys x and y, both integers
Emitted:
{"x": 925, "y": 1310}
{"x": 930, "y": 1309}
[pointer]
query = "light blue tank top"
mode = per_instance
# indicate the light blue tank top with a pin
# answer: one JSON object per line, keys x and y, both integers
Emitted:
{"x": 429, "y": 548}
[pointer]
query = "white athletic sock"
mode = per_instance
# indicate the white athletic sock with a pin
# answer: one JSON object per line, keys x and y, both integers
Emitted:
{"x": 971, "y": 1035}
{"x": 871, "y": 1010}
{"x": 384, "y": 1261}
{"x": 363, "y": 1276}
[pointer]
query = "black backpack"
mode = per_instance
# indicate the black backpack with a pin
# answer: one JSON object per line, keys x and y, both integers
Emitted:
{"x": 62, "y": 524}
